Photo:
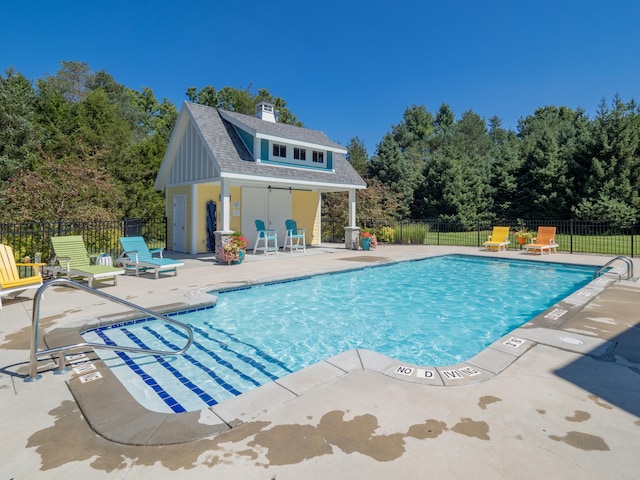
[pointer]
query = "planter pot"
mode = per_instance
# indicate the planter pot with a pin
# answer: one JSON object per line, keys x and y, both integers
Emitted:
{"x": 521, "y": 240}
{"x": 366, "y": 244}
{"x": 240, "y": 258}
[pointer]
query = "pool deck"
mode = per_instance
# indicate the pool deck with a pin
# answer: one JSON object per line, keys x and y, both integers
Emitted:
{"x": 557, "y": 398}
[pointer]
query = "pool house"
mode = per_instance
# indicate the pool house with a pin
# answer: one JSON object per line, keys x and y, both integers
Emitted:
{"x": 223, "y": 170}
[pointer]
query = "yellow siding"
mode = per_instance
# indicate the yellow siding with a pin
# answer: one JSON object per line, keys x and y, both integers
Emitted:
{"x": 206, "y": 192}
{"x": 304, "y": 210}
{"x": 236, "y": 196}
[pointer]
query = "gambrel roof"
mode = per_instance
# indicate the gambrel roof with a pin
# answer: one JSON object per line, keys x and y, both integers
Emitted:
{"x": 229, "y": 157}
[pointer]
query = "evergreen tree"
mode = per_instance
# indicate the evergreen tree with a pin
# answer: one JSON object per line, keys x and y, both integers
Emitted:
{"x": 19, "y": 132}
{"x": 614, "y": 181}
{"x": 357, "y": 156}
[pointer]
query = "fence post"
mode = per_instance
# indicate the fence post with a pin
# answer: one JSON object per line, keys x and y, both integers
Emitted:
{"x": 571, "y": 235}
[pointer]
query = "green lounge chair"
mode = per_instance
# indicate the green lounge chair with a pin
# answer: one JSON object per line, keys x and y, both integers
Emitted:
{"x": 74, "y": 261}
{"x": 137, "y": 257}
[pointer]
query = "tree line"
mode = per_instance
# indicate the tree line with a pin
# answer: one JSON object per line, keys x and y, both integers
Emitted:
{"x": 79, "y": 145}
{"x": 558, "y": 165}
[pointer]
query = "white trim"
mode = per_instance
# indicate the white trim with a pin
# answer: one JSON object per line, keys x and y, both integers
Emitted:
{"x": 282, "y": 181}
{"x": 193, "y": 247}
{"x": 290, "y": 141}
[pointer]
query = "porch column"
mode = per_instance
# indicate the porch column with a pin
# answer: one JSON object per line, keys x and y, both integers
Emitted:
{"x": 221, "y": 236}
{"x": 352, "y": 231}
{"x": 352, "y": 208}
{"x": 225, "y": 204}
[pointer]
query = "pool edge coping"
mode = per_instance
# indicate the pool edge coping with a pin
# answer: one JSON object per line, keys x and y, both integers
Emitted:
{"x": 115, "y": 414}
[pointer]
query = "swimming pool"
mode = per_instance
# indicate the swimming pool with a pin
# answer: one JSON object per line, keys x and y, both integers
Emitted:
{"x": 438, "y": 311}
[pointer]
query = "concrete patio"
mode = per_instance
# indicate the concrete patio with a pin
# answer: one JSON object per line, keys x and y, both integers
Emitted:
{"x": 560, "y": 402}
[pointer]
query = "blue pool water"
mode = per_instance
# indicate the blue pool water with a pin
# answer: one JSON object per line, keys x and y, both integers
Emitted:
{"x": 434, "y": 312}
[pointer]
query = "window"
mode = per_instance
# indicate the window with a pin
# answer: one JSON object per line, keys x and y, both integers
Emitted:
{"x": 279, "y": 150}
{"x": 299, "y": 154}
{"x": 318, "y": 157}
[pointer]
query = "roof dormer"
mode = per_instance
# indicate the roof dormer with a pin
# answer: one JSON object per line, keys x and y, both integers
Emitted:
{"x": 265, "y": 111}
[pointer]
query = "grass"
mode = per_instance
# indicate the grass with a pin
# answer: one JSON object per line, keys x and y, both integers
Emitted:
{"x": 417, "y": 234}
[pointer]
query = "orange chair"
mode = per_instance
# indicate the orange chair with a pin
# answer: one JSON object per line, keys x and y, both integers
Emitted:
{"x": 544, "y": 240}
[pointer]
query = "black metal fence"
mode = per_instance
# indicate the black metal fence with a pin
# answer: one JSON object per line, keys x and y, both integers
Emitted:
{"x": 30, "y": 238}
{"x": 573, "y": 236}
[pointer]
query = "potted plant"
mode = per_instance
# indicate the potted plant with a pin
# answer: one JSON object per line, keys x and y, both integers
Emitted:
{"x": 369, "y": 241}
{"x": 522, "y": 236}
{"x": 234, "y": 250}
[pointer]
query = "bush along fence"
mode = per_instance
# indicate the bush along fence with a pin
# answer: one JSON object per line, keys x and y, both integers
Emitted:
{"x": 31, "y": 238}
{"x": 573, "y": 236}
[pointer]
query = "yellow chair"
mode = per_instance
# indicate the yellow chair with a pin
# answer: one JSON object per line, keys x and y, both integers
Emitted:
{"x": 498, "y": 240}
{"x": 544, "y": 240}
{"x": 10, "y": 281}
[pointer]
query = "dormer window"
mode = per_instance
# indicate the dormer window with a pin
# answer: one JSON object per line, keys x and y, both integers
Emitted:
{"x": 318, "y": 157}
{"x": 299, "y": 154}
{"x": 279, "y": 150}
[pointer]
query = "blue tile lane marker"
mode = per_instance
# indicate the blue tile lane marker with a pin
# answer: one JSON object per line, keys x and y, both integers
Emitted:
{"x": 168, "y": 399}
{"x": 217, "y": 359}
{"x": 259, "y": 352}
{"x": 230, "y": 388}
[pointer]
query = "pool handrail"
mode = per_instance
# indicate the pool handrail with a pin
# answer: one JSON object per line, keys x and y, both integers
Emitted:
{"x": 62, "y": 368}
{"x": 603, "y": 269}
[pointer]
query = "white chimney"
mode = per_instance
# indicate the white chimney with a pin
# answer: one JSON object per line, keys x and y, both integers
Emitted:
{"x": 265, "y": 111}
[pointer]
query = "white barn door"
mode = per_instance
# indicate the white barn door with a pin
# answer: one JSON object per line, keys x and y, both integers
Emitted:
{"x": 269, "y": 205}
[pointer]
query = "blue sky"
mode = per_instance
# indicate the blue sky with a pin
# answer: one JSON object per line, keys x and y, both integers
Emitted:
{"x": 348, "y": 68}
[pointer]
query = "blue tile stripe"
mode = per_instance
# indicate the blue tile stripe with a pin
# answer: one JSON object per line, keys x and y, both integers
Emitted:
{"x": 216, "y": 358}
{"x": 201, "y": 393}
{"x": 171, "y": 402}
{"x": 208, "y": 399}
{"x": 259, "y": 352}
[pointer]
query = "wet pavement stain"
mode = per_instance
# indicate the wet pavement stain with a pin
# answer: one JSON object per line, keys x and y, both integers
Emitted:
{"x": 429, "y": 429}
{"x": 57, "y": 447}
{"x": 583, "y": 441}
{"x": 487, "y": 400}
{"x": 471, "y": 428}
{"x": 254, "y": 441}
{"x": 579, "y": 416}
{"x": 294, "y": 443}
{"x": 598, "y": 401}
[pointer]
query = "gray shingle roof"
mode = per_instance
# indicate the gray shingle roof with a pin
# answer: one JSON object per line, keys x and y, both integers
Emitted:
{"x": 232, "y": 156}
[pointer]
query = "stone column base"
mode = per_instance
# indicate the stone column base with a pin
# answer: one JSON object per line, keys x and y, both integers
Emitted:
{"x": 220, "y": 239}
{"x": 352, "y": 238}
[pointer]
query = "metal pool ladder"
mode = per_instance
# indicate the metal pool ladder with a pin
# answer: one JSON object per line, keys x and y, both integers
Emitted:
{"x": 62, "y": 368}
{"x": 603, "y": 269}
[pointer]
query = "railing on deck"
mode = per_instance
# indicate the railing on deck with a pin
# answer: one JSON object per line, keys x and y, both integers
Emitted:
{"x": 573, "y": 236}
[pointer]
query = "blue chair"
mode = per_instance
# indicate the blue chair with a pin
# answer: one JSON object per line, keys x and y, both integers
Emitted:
{"x": 294, "y": 233}
{"x": 266, "y": 236}
{"x": 137, "y": 257}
